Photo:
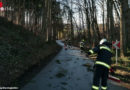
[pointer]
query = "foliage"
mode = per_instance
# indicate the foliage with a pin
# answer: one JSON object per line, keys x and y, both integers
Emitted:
{"x": 40, "y": 16}
{"x": 123, "y": 62}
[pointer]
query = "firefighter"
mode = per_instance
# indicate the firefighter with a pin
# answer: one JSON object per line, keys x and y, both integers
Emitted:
{"x": 82, "y": 45}
{"x": 69, "y": 43}
{"x": 102, "y": 64}
{"x": 65, "y": 44}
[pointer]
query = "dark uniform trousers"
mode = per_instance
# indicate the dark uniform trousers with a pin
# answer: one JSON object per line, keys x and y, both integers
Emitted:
{"x": 101, "y": 73}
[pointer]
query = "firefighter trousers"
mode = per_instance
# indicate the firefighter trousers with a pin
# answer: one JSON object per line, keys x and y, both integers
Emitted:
{"x": 100, "y": 74}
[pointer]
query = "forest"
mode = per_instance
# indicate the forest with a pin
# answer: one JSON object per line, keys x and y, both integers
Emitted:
{"x": 29, "y": 26}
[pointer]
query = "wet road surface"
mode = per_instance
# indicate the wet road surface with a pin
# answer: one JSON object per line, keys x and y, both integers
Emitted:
{"x": 67, "y": 72}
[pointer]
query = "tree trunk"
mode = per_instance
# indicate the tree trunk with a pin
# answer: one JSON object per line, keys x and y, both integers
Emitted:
{"x": 122, "y": 32}
{"x": 108, "y": 19}
{"x": 111, "y": 30}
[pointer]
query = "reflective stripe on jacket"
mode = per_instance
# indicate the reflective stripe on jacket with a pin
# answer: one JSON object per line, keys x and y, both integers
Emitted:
{"x": 104, "y": 55}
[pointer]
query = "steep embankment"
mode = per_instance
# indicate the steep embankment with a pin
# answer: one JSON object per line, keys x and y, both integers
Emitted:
{"x": 20, "y": 50}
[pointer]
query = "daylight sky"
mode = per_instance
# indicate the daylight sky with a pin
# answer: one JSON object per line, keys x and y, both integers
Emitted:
{"x": 77, "y": 15}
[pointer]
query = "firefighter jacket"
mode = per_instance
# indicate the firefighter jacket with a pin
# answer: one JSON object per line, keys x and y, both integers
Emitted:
{"x": 104, "y": 54}
{"x": 81, "y": 44}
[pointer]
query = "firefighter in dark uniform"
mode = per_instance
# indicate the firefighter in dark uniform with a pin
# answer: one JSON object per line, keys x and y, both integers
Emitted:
{"x": 102, "y": 64}
{"x": 65, "y": 44}
{"x": 82, "y": 45}
{"x": 69, "y": 43}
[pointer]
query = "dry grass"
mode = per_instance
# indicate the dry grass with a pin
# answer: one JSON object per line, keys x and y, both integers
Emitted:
{"x": 122, "y": 72}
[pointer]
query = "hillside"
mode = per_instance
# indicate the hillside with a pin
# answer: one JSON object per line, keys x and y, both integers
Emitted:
{"x": 20, "y": 50}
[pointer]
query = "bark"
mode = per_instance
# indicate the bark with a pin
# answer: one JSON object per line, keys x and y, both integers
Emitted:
{"x": 89, "y": 36}
{"x": 123, "y": 42}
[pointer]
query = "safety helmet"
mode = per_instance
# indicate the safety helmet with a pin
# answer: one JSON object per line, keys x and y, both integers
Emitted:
{"x": 102, "y": 41}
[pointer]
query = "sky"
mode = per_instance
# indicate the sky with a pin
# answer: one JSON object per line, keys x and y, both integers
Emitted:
{"x": 76, "y": 15}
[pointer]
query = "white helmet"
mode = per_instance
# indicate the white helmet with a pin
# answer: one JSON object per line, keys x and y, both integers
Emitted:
{"x": 102, "y": 41}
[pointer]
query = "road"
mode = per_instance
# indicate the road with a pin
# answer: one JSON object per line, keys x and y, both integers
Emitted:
{"x": 67, "y": 72}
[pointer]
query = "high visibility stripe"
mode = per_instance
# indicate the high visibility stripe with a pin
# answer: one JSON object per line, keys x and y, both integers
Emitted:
{"x": 102, "y": 63}
{"x": 95, "y": 87}
{"x": 91, "y": 51}
{"x": 106, "y": 48}
{"x": 81, "y": 45}
{"x": 104, "y": 88}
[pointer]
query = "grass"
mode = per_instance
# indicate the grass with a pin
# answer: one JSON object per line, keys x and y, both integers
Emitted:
{"x": 123, "y": 62}
{"x": 125, "y": 79}
{"x": 122, "y": 68}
